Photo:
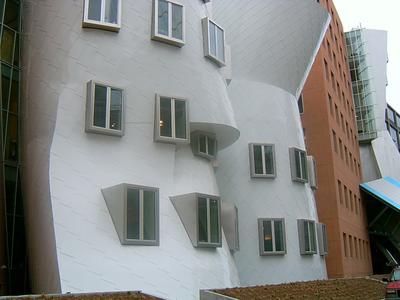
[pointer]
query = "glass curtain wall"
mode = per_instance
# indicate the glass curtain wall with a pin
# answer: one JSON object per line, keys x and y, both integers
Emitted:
{"x": 13, "y": 261}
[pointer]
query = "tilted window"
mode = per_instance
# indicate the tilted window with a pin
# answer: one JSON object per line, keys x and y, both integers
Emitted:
{"x": 171, "y": 123}
{"x": 271, "y": 236}
{"x": 262, "y": 160}
{"x": 322, "y": 239}
{"x": 102, "y": 14}
{"x": 307, "y": 240}
{"x": 104, "y": 109}
{"x": 168, "y": 22}
{"x": 214, "y": 41}
{"x": 298, "y": 165}
{"x": 204, "y": 144}
{"x": 209, "y": 224}
{"x": 312, "y": 172}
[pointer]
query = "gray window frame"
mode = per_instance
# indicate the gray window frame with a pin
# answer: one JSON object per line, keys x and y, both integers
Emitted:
{"x": 90, "y": 99}
{"x": 302, "y": 238}
{"x": 195, "y": 140}
{"x": 173, "y": 139}
{"x": 252, "y": 163}
{"x": 89, "y": 23}
{"x": 292, "y": 153}
{"x": 167, "y": 38}
{"x": 322, "y": 239}
{"x": 263, "y": 252}
{"x": 206, "y": 42}
{"x": 208, "y": 244}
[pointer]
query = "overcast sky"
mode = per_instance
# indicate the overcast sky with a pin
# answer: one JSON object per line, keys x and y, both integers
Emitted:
{"x": 374, "y": 14}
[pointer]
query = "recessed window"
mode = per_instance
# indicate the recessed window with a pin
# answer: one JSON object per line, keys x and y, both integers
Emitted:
{"x": 168, "y": 22}
{"x": 298, "y": 164}
{"x": 312, "y": 171}
{"x": 307, "y": 238}
{"x": 104, "y": 109}
{"x": 171, "y": 123}
{"x": 262, "y": 160}
{"x": 204, "y": 144}
{"x": 209, "y": 225}
{"x": 271, "y": 236}
{"x": 102, "y": 14}
{"x": 300, "y": 104}
{"x": 214, "y": 41}
{"x": 322, "y": 239}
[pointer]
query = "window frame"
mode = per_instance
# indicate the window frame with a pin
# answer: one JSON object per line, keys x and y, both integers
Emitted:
{"x": 156, "y": 36}
{"x": 252, "y": 163}
{"x": 195, "y": 139}
{"x": 157, "y": 132}
{"x": 208, "y": 244}
{"x": 292, "y": 153}
{"x": 89, "y": 23}
{"x": 90, "y": 105}
{"x": 206, "y": 42}
{"x": 262, "y": 250}
{"x": 322, "y": 237}
{"x": 142, "y": 241}
{"x": 302, "y": 237}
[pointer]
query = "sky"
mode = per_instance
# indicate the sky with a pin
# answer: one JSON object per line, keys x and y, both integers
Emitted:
{"x": 374, "y": 14}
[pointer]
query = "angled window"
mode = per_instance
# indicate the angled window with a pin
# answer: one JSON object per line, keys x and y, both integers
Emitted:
{"x": 308, "y": 244}
{"x": 102, "y": 14}
{"x": 208, "y": 221}
{"x": 271, "y": 234}
{"x": 312, "y": 170}
{"x": 300, "y": 104}
{"x": 214, "y": 41}
{"x": 298, "y": 165}
{"x": 168, "y": 22}
{"x": 204, "y": 144}
{"x": 171, "y": 122}
{"x": 322, "y": 239}
{"x": 104, "y": 109}
{"x": 262, "y": 160}
{"x": 230, "y": 224}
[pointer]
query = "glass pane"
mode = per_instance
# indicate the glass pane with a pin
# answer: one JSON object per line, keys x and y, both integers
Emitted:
{"x": 165, "y": 117}
{"x": 267, "y": 230}
{"x": 312, "y": 236}
{"x": 213, "y": 44}
{"x": 258, "y": 165}
{"x": 214, "y": 222}
{"x": 12, "y": 138}
{"x": 94, "y": 12}
{"x": 180, "y": 119}
{"x": 163, "y": 17}
{"x": 11, "y": 15}
{"x": 13, "y": 105}
{"x": 7, "y": 45}
{"x": 100, "y": 106}
{"x": 5, "y": 85}
{"x": 177, "y": 21}
{"x": 116, "y": 109}
{"x": 202, "y": 144}
{"x": 16, "y": 51}
{"x": 149, "y": 215}
{"x": 10, "y": 184}
{"x": 220, "y": 42}
{"x": 324, "y": 238}
{"x": 132, "y": 214}
{"x": 279, "y": 236}
{"x": 297, "y": 162}
{"x": 111, "y": 11}
{"x": 306, "y": 237}
{"x": 269, "y": 159}
{"x": 202, "y": 217}
{"x": 304, "y": 165}
{"x": 211, "y": 146}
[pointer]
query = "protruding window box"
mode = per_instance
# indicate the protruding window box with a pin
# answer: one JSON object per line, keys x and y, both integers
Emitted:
{"x": 312, "y": 172}
{"x": 307, "y": 240}
{"x": 102, "y": 14}
{"x": 204, "y": 144}
{"x": 104, "y": 109}
{"x": 214, "y": 41}
{"x": 262, "y": 160}
{"x": 168, "y": 24}
{"x": 272, "y": 240}
{"x": 322, "y": 239}
{"x": 230, "y": 224}
{"x": 298, "y": 165}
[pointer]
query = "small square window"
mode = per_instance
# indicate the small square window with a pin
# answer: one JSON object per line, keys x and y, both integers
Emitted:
{"x": 272, "y": 236}
{"x": 262, "y": 160}
{"x": 102, "y": 14}
{"x": 214, "y": 41}
{"x": 307, "y": 239}
{"x": 104, "y": 109}
{"x": 171, "y": 122}
{"x": 168, "y": 22}
{"x": 322, "y": 239}
{"x": 298, "y": 165}
{"x": 204, "y": 144}
{"x": 208, "y": 221}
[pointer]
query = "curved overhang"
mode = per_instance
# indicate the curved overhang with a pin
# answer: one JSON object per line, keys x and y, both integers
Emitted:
{"x": 226, "y": 135}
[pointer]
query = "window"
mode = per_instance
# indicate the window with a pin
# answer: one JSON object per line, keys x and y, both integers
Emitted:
{"x": 171, "y": 123}
{"x": 312, "y": 172}
{"x": 262, "y": 160}
{"x": 308, "y": 244}
{"x": 102, "y": 14}
{"x": 335, "y": 146}
{"x": 330, "y": 104}
{"x": 168, "y": 22}
{"x": 322, "y": 239}
{"x": 208, "y": 217}
{"x": 104, "y": 109}
{"x": 300, "y": 104}
{"x": 214, "y": 41}
{"x": 204, "y": 144}
{"x": 298, "y": 165}
{"x": 340, "y": 191}
{"x": 345, "y": 244}
{"x": 341, "y": 148}
{"x": 271, "y": 236}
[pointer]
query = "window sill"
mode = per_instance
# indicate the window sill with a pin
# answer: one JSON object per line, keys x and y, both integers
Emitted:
{"x": 300, "y": 180}
{"x": 276, "y": 253}
{"x": 208, "y": 245}
{"x": 140, "y": 242}
{"x": 214, "y": 59}
{"x": 101, "y": 25}
{"x": 105, "y": 131}
{"x": 170, "y": 140}
{"x": 168, "y": 40}
{"x": 271, "y": 176}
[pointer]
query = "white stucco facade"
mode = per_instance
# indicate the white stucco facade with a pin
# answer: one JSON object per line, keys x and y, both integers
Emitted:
{"x": 73, "y": 245}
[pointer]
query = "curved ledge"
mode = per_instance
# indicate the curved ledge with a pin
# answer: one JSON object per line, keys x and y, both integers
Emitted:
{"x": 226, "y": 135}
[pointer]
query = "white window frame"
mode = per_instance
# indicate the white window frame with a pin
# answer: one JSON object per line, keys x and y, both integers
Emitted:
{"x": 169, "y": 39}
{"x": 293, "y": 152}
{"x": 301, "y": 225}
{"x": 206, "y": 42}
{"x": 90, "y": 99}
{"x": 264, "y": 252}
{"x": 208, "y": 244}
{"x": 101, "y": 24}
{"x": 210, "y": 138}
{"x": 157, "y": 131}
{"x": 252, "y": 162}
{"x": 322, "y": 239}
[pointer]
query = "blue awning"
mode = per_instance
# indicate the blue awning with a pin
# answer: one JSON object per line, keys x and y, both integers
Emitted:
{"x": 387, "y": 190}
